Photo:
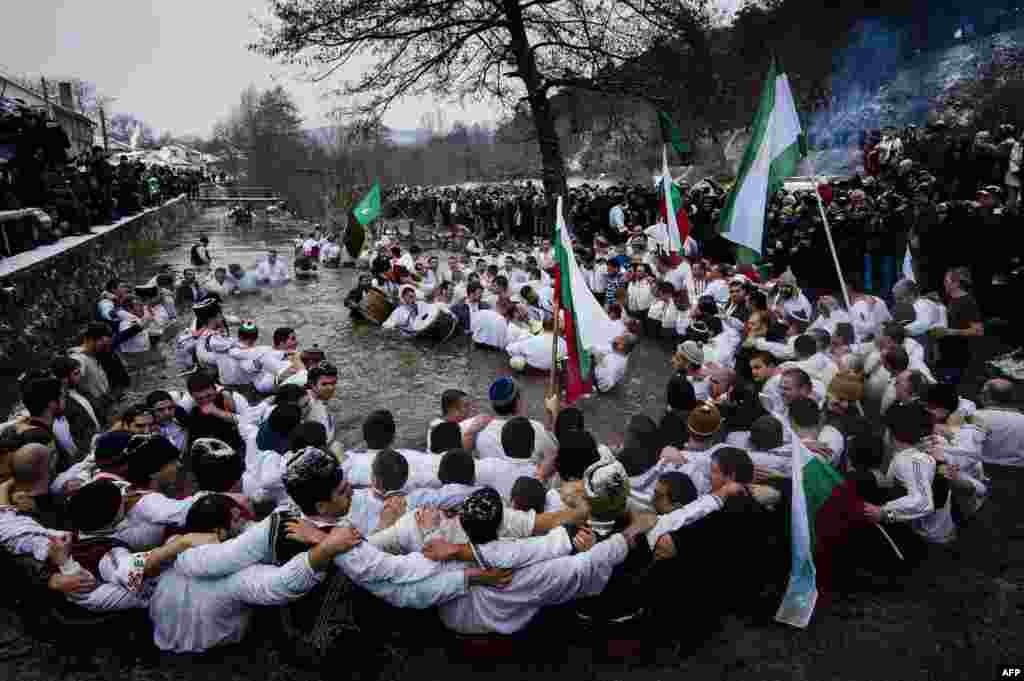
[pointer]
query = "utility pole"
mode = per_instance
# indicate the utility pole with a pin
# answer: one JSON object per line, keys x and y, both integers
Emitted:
{"x": 103, "y": 130}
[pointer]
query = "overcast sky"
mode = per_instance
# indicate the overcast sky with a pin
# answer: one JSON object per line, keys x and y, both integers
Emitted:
{"x": 179, "y": 65}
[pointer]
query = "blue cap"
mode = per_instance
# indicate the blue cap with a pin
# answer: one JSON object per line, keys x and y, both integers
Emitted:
{"x": 503, "y": 392}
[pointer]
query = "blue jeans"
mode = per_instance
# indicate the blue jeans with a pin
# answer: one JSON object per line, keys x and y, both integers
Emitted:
{"x": 886, "y": 273}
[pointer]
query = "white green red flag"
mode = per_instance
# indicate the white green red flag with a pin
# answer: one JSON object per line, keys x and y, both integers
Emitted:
{"x": 673, "y": 212}
{"x": 587, "y": 325}
{"x": 820, "y": 503}
{"x": 776, "y": 147}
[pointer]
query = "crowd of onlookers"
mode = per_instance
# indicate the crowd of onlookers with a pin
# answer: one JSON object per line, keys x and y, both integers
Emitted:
{"x": 71, "y": 193}
{"x": 946, "y": 192}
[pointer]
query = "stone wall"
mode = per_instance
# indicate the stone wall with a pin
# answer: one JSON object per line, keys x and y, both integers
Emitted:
{"x": 46, "y": 302}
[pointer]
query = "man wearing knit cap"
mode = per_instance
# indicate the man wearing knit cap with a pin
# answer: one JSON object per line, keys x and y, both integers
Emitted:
{"x": 792, "y": 299}
{"x": 506, "y": 402}
{"x": 688, "y": 360}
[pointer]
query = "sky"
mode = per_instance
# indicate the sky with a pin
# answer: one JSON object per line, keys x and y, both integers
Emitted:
{"x": 178, "y": 65}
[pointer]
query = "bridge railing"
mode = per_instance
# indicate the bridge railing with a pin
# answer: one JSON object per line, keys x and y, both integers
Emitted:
{"x": 213, "y": 192}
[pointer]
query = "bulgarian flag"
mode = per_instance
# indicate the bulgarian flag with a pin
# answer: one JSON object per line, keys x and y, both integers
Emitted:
{"x": 776, "y": 147}
{"x": 672, "y": 210}
{"x": 587, "y": 325}
{"x": 815, "y": 485}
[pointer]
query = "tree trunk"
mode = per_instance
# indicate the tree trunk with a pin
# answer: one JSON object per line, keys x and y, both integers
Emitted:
{"x": 552, "y": 162}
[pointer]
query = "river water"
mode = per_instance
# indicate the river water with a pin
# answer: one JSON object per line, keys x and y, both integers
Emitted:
{"x": 376, "y": 369}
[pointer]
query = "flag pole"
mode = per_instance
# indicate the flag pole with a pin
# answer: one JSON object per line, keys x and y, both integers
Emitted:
{"x": 553, "y": 381}
{"x": 832, "y": 245}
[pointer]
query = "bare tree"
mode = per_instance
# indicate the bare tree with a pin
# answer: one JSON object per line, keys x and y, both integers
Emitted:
{"x": 507, "y": 50}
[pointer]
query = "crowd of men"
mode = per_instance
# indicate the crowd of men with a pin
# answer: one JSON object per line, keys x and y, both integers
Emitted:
{"x": 924, "y": 188}
{"x": 203, "y": 501}
{"x": 196, "y": 505}
{"x": 76, "y": 193}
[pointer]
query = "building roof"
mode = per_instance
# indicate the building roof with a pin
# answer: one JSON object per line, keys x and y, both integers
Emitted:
{"x": 6, "y": 83}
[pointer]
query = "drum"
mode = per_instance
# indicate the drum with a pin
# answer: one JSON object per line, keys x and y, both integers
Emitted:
{"x": 376, "y": 307}
{"x": 435, "y": 323}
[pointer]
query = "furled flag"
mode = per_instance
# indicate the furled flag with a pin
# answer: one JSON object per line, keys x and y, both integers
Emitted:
{"x": 908, "y": 265}
{"x": 814, "y": 482}
{"x": 776, "y": 147}
{"x": 365, "y": 212}
{"x": 587, "y": 325}
{"x": 671, "y": 135}
{"x": 677, "y": 222}
{"x": 369, "y": 208}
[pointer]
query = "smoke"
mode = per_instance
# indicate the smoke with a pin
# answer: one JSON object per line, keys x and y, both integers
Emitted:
{"x": 871, "y": 59}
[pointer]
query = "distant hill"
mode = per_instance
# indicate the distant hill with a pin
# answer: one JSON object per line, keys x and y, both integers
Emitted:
{"x": 328, "y": 135}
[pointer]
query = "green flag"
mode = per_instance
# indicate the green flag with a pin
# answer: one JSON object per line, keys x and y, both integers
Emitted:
{"x": 671, "y": 135}
{"x": 368, "y": 209}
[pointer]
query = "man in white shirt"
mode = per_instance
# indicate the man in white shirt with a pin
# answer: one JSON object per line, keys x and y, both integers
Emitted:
{"x": 501, "y": 472}
{"x": 545, "y": 583}
{"x": 192, "y": 614}
{"x": 455, "y": 409}
{"x": 506, "y": 402}
{"x": 830, "y": 315}
{"x": 867, "y": 315}
{"x": 272, "y": 271}
{"x": 379, "y": 434}
{"x": 610, "y": 366}
{"x": 405, "y": 314}
{"x": 490, "y": 327}
{"x": 322, "y": 381}
{"x": 270, "y": 364}
{"x": 786, "y": 386}
{"x": 317, "y": 486}
{"x": 1002, "y": 424}
{"x": 390, "y": 475}
{"x": 131, "y": 330}
{"x": 913, "y": 471}
{"x": 536, "y": 350}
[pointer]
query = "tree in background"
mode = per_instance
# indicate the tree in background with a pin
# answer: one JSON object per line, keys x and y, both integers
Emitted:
{"x": 507, "y": 50}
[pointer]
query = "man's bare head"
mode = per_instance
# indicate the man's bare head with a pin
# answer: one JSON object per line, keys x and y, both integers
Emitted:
{"x": 30, "y": 468}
